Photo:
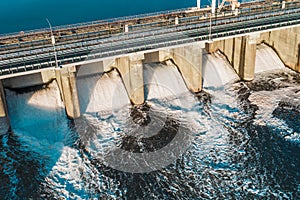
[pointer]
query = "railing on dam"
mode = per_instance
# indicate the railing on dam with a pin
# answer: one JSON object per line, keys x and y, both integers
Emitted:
{"x": 98, "y": 22}
{"x": 157, "y": 30}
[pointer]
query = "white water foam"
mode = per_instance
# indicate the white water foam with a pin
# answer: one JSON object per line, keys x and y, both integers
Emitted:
{"x": 102, "y": 93}
{"x": 267, "y": 59}
{"x": 163, "y": 81}
{"x": 268, "y": 101}
{"x": 38, "y": 117}
{"x": 268, "y": 62}
{"x": 166, "y": 91}
{"x": 166, "y": 97}
{"x": 217, "y": 71}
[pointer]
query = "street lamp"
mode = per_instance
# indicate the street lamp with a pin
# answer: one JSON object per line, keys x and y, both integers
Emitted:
{"x": 213, "y": 6}
{"x": 213, "y": 10}
{"x": 209, "y": 36}
{"x": 198, "y": 4}
{"x": 53, "y": 43}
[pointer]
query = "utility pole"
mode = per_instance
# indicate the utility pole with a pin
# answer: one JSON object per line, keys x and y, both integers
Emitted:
{"x": 198, "y": 4}
{"x": 213, "y": 6}
{"x": 53, "y": 43}
{"x": 209, "y": 36}
{"x": 213, "y": 10}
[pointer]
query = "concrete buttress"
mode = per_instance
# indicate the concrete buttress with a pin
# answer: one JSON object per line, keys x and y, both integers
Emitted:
{"x": 248, "y": 57}
{"x": 189, "y": 62}
{"x": 131, "y": 71}
{"x": 67, "y": 84}
{"x": 4, "y": 118}
{"x": 3, "y": 108}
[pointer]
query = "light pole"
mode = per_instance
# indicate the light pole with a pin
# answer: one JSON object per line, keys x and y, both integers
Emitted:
{"x": 53, "y": 43}
{"x": 213, "y": 6}
{"x": 198, "y": 4}
{"x": 213, "y": 10}
{"x": 209, "y": 37}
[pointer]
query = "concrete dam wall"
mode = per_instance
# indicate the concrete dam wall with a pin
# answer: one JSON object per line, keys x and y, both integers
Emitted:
{"x": 192, "y": 61}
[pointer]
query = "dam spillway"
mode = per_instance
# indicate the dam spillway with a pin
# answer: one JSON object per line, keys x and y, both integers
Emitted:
{"x": 104, "y": 99}
{"x": 102, "y": 92}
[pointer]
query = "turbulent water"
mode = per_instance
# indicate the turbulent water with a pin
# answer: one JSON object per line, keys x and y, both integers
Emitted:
{"x": 244, "y": 138}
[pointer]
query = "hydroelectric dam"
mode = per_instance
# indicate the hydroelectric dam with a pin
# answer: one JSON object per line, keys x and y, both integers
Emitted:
{"x": 194, "y": 103}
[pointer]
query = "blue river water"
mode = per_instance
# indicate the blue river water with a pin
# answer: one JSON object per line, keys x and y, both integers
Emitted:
{"x": 20, "y": 15}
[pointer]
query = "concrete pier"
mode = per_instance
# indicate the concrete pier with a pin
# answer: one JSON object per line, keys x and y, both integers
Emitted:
{"x": 247, "y": 57}
{"x": 240, "y": 53}
{"x": 234, "y": 55}
{"x": 67, "y": 84}
{"x": 3, "y": 107}
{"x": 189, "y": 62}
{"x": 131, "y": 71}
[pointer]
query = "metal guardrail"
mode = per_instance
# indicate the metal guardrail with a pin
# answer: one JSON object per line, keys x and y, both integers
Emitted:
{"x": 118, "y": 19}
{"x": 98, "y": 22}
{"x": 45, "y": 41}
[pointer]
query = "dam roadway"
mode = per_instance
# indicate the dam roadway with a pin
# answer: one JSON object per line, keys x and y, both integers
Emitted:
{"x": 28, "y": 52}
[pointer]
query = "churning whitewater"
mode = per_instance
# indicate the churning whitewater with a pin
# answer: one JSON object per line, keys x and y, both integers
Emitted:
{"x": 234, "y": 140}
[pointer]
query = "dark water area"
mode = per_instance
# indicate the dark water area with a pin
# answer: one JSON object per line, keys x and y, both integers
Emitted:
{"x": 242, "y": 148}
